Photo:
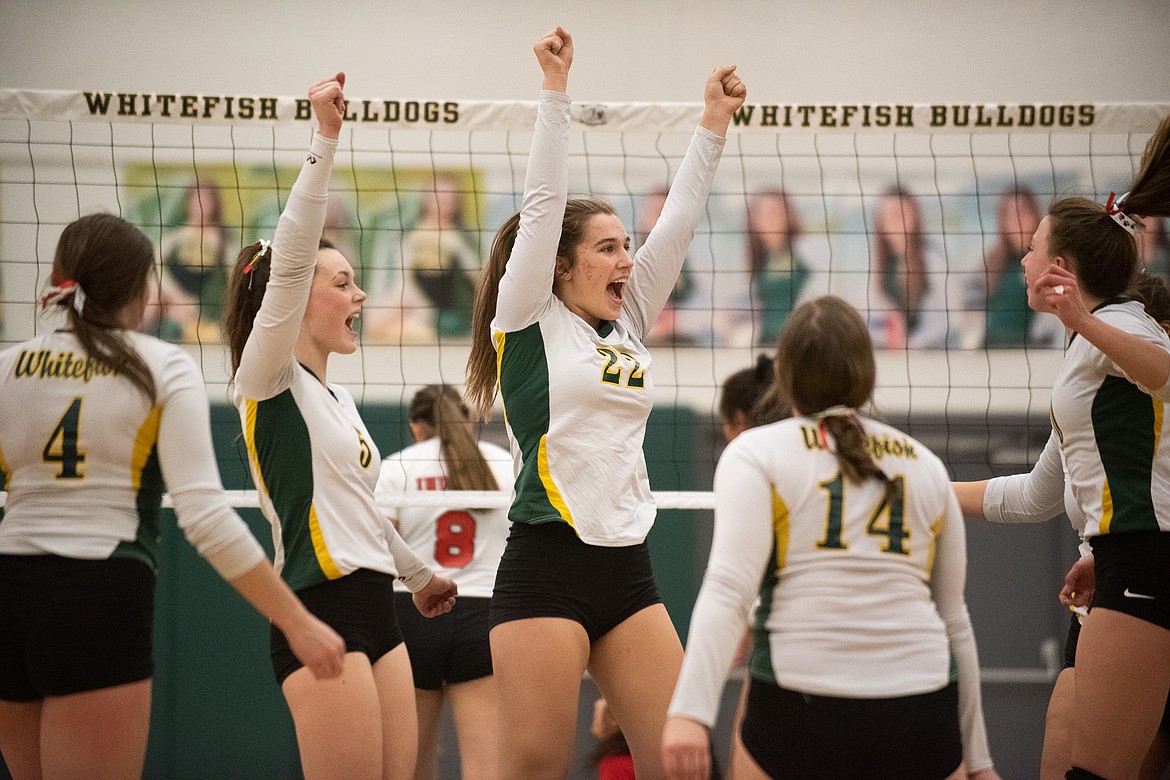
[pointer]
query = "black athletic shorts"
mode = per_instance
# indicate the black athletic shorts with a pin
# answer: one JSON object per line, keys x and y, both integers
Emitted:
{"x": 547, "y": 571}
{"x": 69, "y": 625}
{"x": 1133, "y": 574}
{"x": 805, "y": 737}
{"x": 358, "y": 606}
{"x": 450, "y": 648}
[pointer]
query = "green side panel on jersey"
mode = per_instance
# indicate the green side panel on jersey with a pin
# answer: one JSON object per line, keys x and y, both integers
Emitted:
{"x": 1124, "y": 427}
{"x": 760, "y": 665}
{"x": 284, "y": 452}
{"x": 145, "y": 546}
{"x": 524, "y": 390}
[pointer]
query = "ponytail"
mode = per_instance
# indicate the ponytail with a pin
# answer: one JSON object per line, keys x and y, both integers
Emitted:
{"x": 441, "y": 407}
{"x": 108, "y": 261}
{"x": 829, "y": 385}
{"x": 481, "y": 363}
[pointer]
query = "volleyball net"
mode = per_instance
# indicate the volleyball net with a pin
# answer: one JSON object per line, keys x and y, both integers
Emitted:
{"x": 917, "y": 214}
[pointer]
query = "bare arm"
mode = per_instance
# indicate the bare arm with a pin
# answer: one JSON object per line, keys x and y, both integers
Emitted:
{"x": 970, "y": 495}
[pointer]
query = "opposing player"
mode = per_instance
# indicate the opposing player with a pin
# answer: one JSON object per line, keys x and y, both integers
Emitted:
{"x": 93, "y": 418}
{"x": 848, "y": 531}
{"x": 315, "y": 467}
{"x": 449, "y": 655}
{"x": 559, "y": 317}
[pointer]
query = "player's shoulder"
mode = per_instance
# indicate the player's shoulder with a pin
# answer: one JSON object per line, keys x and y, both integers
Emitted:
{"x": 1130, "y": 315}
{"x": 776, "y": 437}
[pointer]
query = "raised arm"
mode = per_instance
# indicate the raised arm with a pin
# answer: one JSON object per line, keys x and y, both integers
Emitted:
{"x": 267, "y": 362}
{"x": 526, "y": 287}
{"x": 660, "y": 259}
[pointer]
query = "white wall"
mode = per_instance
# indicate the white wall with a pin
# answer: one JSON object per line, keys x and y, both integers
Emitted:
{"x": 815, "y": 50}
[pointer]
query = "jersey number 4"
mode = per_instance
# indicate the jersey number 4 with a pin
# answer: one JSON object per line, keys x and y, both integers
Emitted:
{"x": 454, "y": 539}
{"x": 62, "y": 444}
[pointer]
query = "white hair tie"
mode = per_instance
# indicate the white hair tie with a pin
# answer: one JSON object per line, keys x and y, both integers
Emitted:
{"x": 834, "y": 411}
{"x": 1113, "y": 208}
{"x": 59, "y": 293}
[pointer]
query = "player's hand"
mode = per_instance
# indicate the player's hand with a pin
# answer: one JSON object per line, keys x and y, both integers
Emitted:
{"x": 723, "y": 95}
{"x": 437, "y": 597}
{"x": 554, "y": 52}
{"x": 328, "y": 100}
{"x": 604, "y": 724}
{"x": 1059, "y": 293}
{"x": 686, "y": 749}
{"x": 318, "y": 647}
{"x": 1079, "y": 583}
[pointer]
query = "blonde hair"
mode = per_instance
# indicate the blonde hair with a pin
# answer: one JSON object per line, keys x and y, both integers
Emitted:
{"x": 440, "y": 407}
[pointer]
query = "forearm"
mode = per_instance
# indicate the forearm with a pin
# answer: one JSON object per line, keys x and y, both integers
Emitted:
{"x": 661, "y": 259}
{"x": 412, "y": 571}
{"x": 970, "y": 495}
{"x": 976, "y": 750}
{"x": 271, "y": 597}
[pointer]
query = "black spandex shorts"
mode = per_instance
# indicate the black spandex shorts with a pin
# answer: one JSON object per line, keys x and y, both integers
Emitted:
{"x": 1133, "y": 574}
{"x": 358, "y": 606}
{"x": 450, "y": 648}
{"x": 69, "y": 625}
{"x": 800, "y": 736}
{"x": 547, "y": 571}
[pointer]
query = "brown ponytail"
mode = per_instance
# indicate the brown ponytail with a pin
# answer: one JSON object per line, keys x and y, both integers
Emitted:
{"x": 816, "y": 379}
{"x": 245, "y": 293}
{"x": 481, "y": 363}
{"x": 1149, "y": 195}
{"x": 441, "y": 407}
{"x": 1104, "y": 254}
{"x": 111, "y": 261}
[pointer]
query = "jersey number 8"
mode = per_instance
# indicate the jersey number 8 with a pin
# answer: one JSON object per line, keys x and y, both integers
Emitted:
{"x": 454, "y": 539}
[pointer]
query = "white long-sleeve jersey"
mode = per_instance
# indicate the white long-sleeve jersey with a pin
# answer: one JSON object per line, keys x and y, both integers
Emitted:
{"x": 314, "y": 463}
{"x": 84, "y": 455}
{"x": 1110, "y": 429}
{"x": 859, "y": 598}
{"x": 462, "y": 543}
{"x": 576, "y": 399}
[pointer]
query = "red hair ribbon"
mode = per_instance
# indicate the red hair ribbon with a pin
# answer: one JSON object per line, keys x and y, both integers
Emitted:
{"x": 1117, "y": 213}
{"x": 261, "y": 247}
{"x": 58, "y": 293}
